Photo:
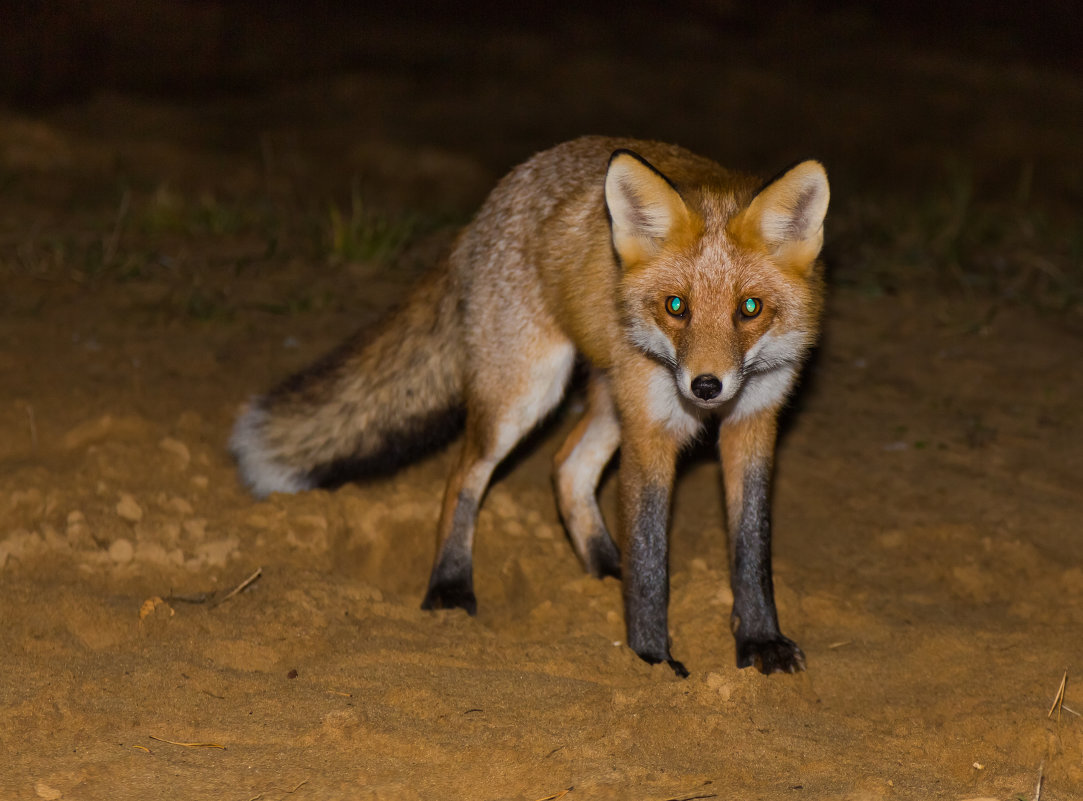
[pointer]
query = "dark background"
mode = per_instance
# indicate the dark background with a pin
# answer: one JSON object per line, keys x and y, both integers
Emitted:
{"x": 59, "y": 49}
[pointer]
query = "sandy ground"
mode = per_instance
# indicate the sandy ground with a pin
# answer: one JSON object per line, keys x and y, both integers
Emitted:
{"x": 164, "y": 260}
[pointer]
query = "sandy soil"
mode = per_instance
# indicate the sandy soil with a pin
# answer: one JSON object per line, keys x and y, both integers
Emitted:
{"x": 162, "y": 260}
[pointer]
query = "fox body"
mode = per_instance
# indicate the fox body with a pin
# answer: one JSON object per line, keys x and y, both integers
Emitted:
{"x": 688, "y": 290}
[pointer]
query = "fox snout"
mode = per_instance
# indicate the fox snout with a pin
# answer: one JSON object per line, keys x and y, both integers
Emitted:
{"x": 707, "y": 390}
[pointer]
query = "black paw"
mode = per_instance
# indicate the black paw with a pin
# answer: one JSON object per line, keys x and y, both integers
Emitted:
{"x": 678, "y": 668}
{"x": 458, "y": 594}
{"x": 775, "y": 655}
{"x": 603, "y": 556}
{"x": 675, "y": 666}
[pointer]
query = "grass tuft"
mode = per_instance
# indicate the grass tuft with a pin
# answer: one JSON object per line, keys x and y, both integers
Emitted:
{"x": 956, "y": 238}
{"x": 363, "y": 235}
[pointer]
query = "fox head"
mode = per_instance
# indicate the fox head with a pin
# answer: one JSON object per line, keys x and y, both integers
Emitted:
{"x": 715, "y": 285}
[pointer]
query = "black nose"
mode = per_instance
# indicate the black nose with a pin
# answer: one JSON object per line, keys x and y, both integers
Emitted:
{"x": 706, "y": 387}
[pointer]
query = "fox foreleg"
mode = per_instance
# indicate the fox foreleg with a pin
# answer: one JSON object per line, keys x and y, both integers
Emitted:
{"x": 646, "y": 482}
{"x": 747, "y": 448}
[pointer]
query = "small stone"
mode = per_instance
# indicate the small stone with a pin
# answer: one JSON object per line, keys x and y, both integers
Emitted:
{"x": 178, "y": 449}
{"x": 180, "y": 505}
{"x": 121, "y": 551}
{"x": 217, "y": 552}
{"x": 42, "y": 790}
{"x": 720, "y": 684}
{"x": 128, "y": 509}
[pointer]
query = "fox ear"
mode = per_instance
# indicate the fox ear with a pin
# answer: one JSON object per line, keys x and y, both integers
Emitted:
{"x": 787, "y": 216}
{"x": 645, "y": 211}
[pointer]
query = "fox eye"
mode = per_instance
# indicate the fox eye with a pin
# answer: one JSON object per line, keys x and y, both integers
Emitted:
{"x": 676, "y": 306}
{"x": 750, "y": 307}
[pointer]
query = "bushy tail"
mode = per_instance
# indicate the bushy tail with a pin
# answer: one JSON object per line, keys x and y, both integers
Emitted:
{"x": 383, "y": 397}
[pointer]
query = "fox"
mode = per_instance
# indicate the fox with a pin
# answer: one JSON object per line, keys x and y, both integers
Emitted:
{"x": 688, "y": 292}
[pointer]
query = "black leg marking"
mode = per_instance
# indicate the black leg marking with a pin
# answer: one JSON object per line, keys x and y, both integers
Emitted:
{"x": 646, "y": 576}
{"x": 779, "y": 654}
{"x": 760, "y": 643}
{"x": 603, "y": 555}
{"x": 678, "y": 668}
{"x": 451, "y": 585}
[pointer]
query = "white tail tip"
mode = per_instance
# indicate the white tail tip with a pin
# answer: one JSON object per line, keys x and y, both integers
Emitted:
{"x": 260, "y": 471}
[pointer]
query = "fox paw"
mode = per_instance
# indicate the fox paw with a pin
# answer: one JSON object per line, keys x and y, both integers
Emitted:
{"x": 678, "y": 668}
{"x": 603, "y": 558}
{"x": 674, "y": 665}
{"x": 774, "y": 655}
{"x": 452, "y": 595}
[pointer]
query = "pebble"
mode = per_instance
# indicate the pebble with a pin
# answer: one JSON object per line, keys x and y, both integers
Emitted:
{"x": 217, "y": 552}
{"x": 720, "y": 684}
{"x": 178, "y": 449}
{"x": 121, "y": 551}
{"x": 128, "y": 509}
{"x": 43, "y": 790}
{"x": 181, "y": 505}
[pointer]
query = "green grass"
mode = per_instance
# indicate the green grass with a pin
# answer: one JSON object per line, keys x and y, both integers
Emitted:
{"x": 169, "y": 212}
{"x": 1011, "y": 248}
{"x": 363, "y": 234}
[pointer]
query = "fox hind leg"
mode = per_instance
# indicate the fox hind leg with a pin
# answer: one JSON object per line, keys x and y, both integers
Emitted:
{"x": 451, "y": 584}
{"x": 579, "y": 464}
{"x": 495, "y": 423}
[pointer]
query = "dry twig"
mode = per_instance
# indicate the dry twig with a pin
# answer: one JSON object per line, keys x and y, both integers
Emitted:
{"x": 1058, "y": 700}
{"x": 561, "y": 794}
{"x": 187, "y": 745}
{"x": 255, "y": 575}
{"x": 296, "y": 787}
{"x": 210, "y": 597}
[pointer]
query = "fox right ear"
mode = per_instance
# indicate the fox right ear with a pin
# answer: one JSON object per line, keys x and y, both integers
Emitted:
{"x": 787, "y": 216}
{"x": 645, "y": 211}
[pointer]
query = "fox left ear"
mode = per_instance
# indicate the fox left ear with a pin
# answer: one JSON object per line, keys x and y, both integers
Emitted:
{"x": 645, "y": 211}
{"x": 787, "y": 216}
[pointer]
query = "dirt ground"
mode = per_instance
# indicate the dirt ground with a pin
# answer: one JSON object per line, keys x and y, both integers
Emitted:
{"x": 162, "y": 259}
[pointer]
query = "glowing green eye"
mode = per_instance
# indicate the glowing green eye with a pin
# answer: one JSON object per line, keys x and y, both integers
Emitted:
{"x": 750, "y": 307}
{"x": 676, "y": 306}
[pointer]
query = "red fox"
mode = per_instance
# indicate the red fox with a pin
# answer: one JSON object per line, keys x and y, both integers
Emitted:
{"x": 688, "y": 291}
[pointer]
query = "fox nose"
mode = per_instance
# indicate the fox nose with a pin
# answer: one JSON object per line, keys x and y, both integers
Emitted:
{"x": 706, "y": 387}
